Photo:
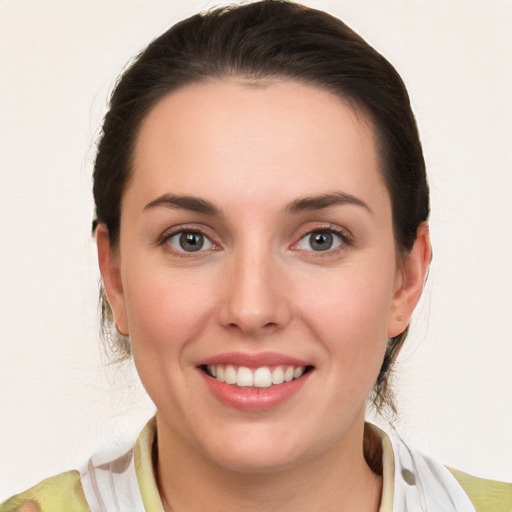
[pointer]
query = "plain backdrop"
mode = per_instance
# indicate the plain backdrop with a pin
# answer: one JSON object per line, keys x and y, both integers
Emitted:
{"x": 59, "y": 60}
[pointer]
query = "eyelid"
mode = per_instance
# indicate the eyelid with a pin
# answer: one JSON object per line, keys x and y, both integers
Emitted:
{"x": 187, "y": 228}
{"x": 174, "y": 241}
{"x": 345, "y": 236}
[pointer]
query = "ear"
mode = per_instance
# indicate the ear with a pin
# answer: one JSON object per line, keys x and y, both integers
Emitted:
{"x": 410, "y": 280}
{"x": 109, "y": 264}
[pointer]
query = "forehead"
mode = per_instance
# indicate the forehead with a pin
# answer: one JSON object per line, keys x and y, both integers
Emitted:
{"x": 255, "y": 138}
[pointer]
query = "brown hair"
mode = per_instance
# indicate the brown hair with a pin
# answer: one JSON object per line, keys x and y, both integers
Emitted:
{"x": 271, "y": 38}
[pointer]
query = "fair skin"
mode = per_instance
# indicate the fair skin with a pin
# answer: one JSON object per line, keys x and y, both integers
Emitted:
{"x": 278, "y": 188}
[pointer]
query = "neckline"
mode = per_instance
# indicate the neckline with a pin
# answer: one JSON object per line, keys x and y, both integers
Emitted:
{"x": 146, "y": 475}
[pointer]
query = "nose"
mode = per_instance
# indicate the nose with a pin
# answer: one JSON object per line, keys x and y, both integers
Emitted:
{"x": 255, "y": 301}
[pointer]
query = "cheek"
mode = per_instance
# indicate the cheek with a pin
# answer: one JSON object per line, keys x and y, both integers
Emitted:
{"x": 166, "y": 315}
{"x": 349, "y": 314}
{"x": 352, "y": 303}
{"x": 166, "y": 309}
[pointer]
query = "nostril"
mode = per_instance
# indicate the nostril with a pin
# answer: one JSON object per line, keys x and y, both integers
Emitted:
{"x": 246, "y": 326}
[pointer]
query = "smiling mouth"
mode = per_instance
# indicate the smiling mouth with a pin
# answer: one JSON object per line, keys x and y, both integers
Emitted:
{"x": 261, "y": 377}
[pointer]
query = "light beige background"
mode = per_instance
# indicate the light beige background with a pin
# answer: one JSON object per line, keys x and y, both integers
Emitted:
{"x": 58, "y": 62}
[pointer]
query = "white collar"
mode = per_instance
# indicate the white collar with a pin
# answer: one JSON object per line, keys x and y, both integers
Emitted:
{"x": 412, "y": 482}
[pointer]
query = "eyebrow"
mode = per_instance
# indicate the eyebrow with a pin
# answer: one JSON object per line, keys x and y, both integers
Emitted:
{"x": 320, "y": 202}
{"x": 190, "y": 203}
{"x": 303, "y": 204}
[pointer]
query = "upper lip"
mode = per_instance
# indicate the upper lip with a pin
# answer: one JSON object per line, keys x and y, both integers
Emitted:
{"x": 254, "y": 360}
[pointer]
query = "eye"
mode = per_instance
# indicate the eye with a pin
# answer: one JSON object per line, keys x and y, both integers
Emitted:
{"x": 321, "y": 240}
{"x": 189, "y": 241}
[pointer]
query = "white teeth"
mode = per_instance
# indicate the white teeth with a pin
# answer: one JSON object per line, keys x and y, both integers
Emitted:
{"x": 244, "y": 377}
{"x": 230, "y": 375}
{"x": 298, "y": 372}
{"x": 262, "y": 377}
{"x": 277, "y": 375}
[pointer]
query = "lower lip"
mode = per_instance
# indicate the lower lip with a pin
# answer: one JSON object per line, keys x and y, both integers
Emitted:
{"x": 255, "y": 399}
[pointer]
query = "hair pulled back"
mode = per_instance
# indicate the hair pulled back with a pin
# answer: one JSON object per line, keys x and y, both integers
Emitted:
{"x": 271, "y": 39}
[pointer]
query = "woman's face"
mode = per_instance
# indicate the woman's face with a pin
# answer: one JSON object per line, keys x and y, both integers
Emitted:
{"x": 256, "y": 236}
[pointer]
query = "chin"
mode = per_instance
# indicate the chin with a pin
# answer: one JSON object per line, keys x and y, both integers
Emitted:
{"x": 262, "y": 448}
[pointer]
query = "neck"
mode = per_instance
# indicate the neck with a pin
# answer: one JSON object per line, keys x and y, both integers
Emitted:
{"x": 338, "y": 479}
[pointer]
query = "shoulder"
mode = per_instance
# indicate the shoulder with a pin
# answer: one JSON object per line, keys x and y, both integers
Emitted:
{"x": 486, "y": 495}
{"x": 414, "y": 481}
{"x": 114, "y": 479}
{"x": 60, "y": 493}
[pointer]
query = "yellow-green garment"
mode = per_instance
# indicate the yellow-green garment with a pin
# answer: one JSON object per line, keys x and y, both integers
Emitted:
{"x": 411, "y": 482}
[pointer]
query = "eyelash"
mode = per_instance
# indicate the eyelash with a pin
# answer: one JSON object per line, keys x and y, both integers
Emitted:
{"x": 345, "y": 237}
{"x": 164, "y": 241}
{"x": 346, "y": 240}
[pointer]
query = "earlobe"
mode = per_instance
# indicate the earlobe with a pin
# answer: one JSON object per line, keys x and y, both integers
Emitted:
{"x": 410, "y": 281}
{"x": 111, "y": 275}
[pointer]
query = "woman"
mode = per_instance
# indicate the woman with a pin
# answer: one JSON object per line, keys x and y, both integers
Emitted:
{"x": 262, "y": 235}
